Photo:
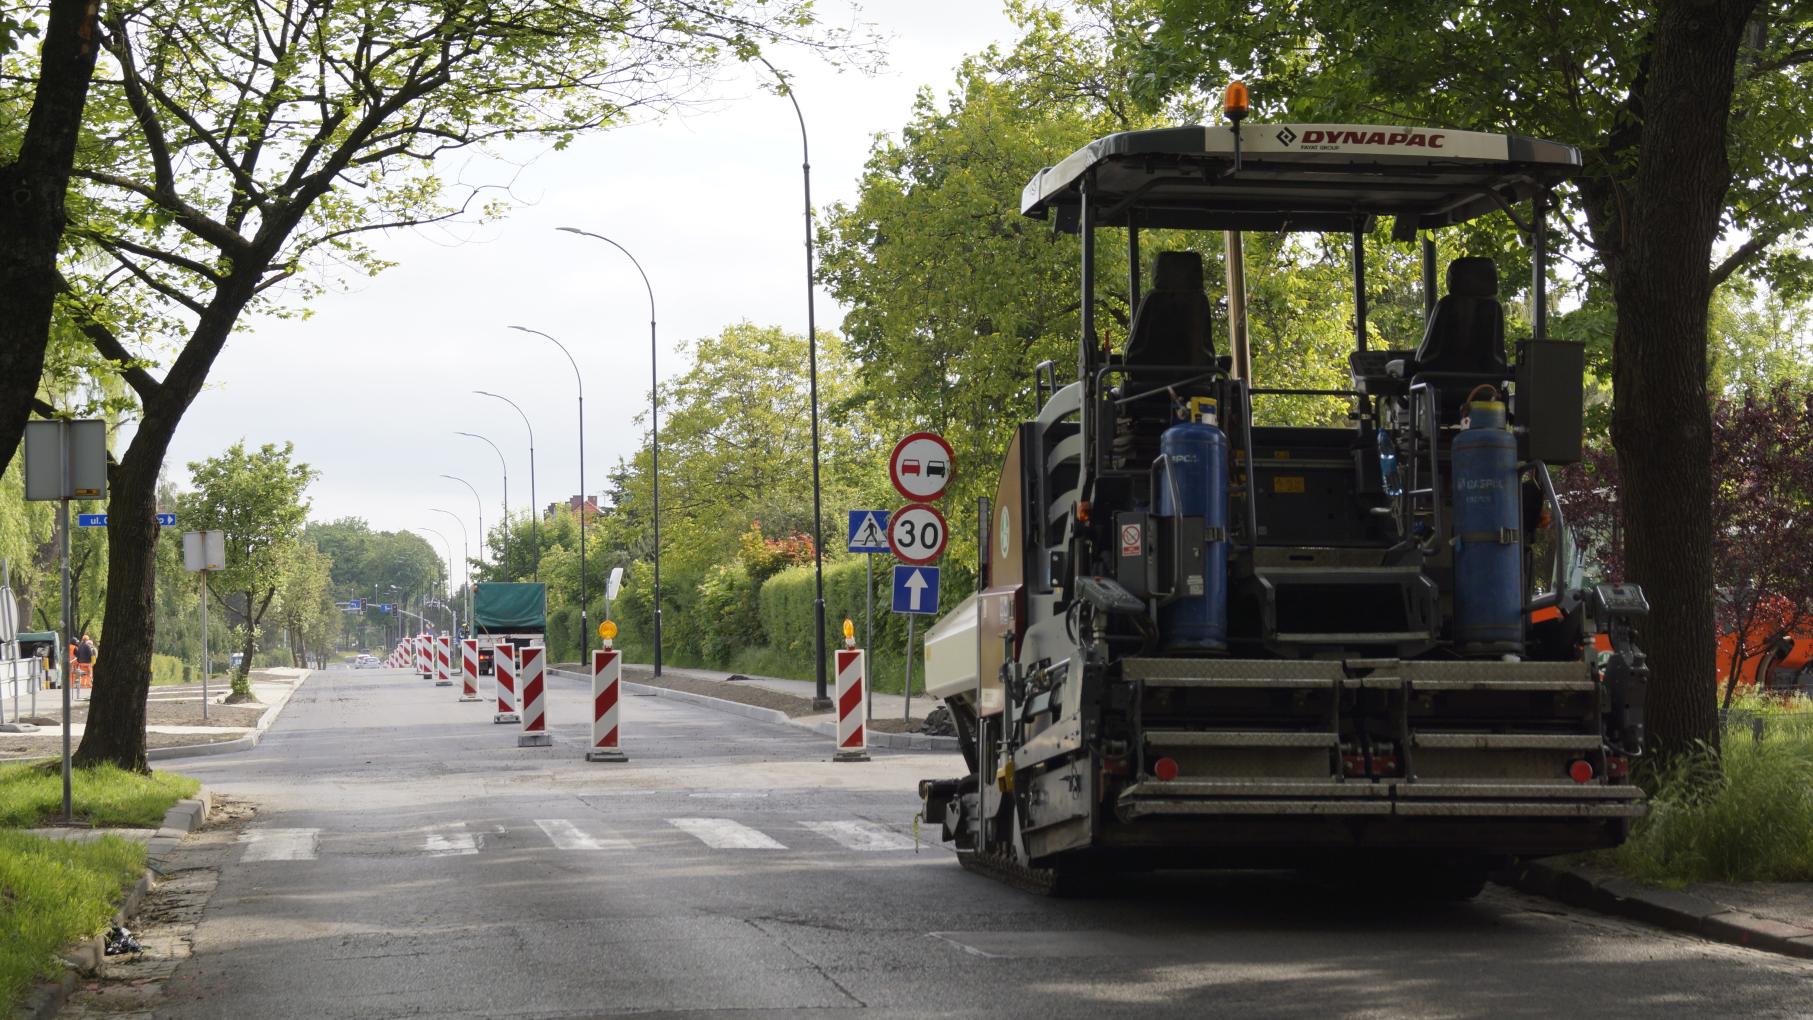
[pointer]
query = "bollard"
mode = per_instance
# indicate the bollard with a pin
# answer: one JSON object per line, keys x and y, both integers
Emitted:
{"x": 443, "y": 661}
{"x": 503, "y": 671}
{"x": 424, "y": 657}
{"x": 852, "y": 683}
{"x": 531, "y": 679}
{"x": 607, "y": 672}
{"x": 469, "y": 670}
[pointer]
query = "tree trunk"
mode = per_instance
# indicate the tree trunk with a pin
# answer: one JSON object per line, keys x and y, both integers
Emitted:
{"x": 1661, "y": 422}
{"x": 32, "y": 190}
{"x": 116, "y": 711}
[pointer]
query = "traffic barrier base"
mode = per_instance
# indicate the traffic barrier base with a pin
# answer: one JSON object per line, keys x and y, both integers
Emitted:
{"x": 852, "y": 706}
{"x": 607, "y": 672}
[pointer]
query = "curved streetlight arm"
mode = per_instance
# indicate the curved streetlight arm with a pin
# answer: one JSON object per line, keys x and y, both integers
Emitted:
{"x": 584, "y": 622}
{"x": 645, "y": 284}
{"x": 481, "y": 511}
{"x": 534, "y": 509}
{"x": 444, "y": 541}
{"x": 563, "y": 350}
{"x": 506, "y": 467}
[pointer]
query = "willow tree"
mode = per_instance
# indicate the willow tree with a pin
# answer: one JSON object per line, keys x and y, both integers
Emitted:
{"x": 242, "y": 149}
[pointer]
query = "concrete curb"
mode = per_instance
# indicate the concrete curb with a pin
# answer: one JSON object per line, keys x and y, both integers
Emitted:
{"x": 89, "y": 958}
{"x": 1677, "y": 911}
{"x": 891, "y": 741}
{"x": 245, "y": 743}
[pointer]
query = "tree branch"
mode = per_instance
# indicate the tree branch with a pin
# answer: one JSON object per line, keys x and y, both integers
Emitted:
{"x": 110, "y": 348}
{"x": 1744, "y": 255}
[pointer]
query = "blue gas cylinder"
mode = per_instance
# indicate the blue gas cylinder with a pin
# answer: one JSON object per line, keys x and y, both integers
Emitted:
{"x": 1192, "y": 481}
{"x": 1488, "y": 542}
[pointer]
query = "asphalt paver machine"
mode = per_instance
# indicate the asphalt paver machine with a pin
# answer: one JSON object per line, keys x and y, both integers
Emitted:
{"x": 1202, "y": 640}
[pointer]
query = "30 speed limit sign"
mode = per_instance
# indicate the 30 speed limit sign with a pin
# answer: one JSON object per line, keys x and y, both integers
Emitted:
{"x": 917, "y": 533}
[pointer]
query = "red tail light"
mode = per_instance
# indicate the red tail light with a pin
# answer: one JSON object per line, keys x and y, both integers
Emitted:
{"x": 1165, "y": 769}
{"x": 1581, "y": 771}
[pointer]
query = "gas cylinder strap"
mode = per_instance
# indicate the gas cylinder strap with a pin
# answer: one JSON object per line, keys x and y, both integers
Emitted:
{"x": 1503, "y": 536}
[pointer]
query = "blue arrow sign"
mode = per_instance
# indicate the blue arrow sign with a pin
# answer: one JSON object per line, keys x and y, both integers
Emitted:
{"x": 386, "y": 607}
{"x": 868, "y": 531}
{"x": 100, "y": 520}
{"x": 916, "y": 590}
{"x": 356, "y": 604}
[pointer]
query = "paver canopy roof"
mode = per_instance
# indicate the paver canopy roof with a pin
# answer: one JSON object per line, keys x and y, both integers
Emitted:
{"x": 1297, "y": 177}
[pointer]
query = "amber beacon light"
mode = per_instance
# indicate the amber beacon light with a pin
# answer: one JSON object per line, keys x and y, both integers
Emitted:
{"x": 1234, "y": 102}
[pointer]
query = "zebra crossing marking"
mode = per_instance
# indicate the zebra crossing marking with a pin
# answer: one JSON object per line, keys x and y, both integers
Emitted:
{"x": 279, "y": 845}
{"x": 567, "y": 836}
{"x": 450, "y": 841}
{"x": 724, "y": 834}
{"x": 861, "y": 835}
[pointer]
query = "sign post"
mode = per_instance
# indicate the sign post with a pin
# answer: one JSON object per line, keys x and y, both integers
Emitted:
{"x": 868, "y": 535}
{"x": 204, "y": 551}
{"x": 921, "y": 468}
{"x": 66, "y": 460}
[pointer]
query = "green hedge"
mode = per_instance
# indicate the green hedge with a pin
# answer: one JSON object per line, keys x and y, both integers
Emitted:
{"x": 168, "y": 669}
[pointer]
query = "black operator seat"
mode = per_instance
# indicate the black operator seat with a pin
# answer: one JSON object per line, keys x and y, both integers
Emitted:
{"x": 1465, "y": 337}
{"x": 1171, "y": 325}
{"x": 1466, "y": 332}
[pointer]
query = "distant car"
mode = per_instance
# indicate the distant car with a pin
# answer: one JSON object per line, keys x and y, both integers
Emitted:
{"x": 366, "y": 662}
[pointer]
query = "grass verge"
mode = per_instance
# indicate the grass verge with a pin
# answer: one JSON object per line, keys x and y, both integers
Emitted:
{"x": 52, "y": 894}
{"x": 32, "y": 794}
{"x": 1744, "y": 815}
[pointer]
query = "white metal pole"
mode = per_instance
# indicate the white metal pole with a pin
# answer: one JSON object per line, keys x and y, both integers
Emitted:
{"x": 204, "y": 636}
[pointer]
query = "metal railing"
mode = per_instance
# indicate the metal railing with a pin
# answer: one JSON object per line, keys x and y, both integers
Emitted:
{"x": 19, "y": 676}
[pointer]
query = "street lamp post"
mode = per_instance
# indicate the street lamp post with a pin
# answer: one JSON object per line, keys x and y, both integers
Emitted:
{"x": 534, "y": 507}
{"x": 820, "y": 698}
{"x": 481, "y": 514}
{"x": 654, "y": 432}
{"x": 585, "y": 626}
{"x": 450, "y": 611}
{"x": 506, "y": 466}
{"x": 466, "y": 562}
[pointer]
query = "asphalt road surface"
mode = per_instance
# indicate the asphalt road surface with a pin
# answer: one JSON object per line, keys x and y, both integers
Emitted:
{"x": 407, "y": 859}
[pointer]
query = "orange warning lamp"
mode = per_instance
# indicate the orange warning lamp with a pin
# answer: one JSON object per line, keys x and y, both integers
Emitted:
{"x": 1235, "y": 102}
{"x": 607, "y": 630}
{"x": 849, "y": 633}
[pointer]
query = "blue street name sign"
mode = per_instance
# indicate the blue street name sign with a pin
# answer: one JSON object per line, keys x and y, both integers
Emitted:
{"x": 356, "y": 604}
{"x": 386, "y": 607}
{"x": 868, "y": 531}
{"x": 100, "y": 520}
{"x": 916, "y": 590}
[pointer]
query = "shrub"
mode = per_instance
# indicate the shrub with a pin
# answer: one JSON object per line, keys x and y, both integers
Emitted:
{"x": 1742, "y": 815}
{"x": 168, "y": 669}
{"x": 727, "y": 619}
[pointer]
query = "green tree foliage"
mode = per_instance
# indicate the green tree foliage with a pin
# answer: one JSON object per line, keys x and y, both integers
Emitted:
{"x": 1693, "y": 122}
{"x": 306, "y": 607}
{"x": 242, "y": 150}
{"x": 258, "y": 498}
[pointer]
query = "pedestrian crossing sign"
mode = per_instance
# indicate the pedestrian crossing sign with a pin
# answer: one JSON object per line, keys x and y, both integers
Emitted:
{"x": 868, "y": 531}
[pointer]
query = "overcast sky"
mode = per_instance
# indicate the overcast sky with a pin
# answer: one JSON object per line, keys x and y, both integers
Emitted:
{"x": 371, "y": 386}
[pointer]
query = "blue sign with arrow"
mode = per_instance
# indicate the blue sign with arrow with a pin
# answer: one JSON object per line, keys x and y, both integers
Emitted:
{"x": 386, "y": 607}
{"x": 916, "y": 590}
{"x": 868, "y": 531}
{"x": 100, "y": 520}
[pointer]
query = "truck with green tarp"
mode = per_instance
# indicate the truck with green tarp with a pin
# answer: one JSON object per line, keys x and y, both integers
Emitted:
{"x": 508, "y": 611}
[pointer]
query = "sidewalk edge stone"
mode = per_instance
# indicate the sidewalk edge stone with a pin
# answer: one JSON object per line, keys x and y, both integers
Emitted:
{"x": 90, "y": 956}
{"x": 245, "y": 743}
{"x": 1664, "y": 908}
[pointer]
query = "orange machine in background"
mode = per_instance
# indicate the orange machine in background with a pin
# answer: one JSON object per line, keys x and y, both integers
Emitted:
{"x": 1760, "y": 646}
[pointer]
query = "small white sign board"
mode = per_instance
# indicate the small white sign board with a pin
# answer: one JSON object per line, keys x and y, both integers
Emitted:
{"x": 615, "y": 584}
{"x": 48, "y": 442}
{"x": 9, "y": 617}
{"x": 204, "y": 550}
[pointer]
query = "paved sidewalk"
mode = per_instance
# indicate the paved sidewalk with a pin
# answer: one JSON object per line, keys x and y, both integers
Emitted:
{"x": 1773, "y": 916}
{"x": 883, "y": 706}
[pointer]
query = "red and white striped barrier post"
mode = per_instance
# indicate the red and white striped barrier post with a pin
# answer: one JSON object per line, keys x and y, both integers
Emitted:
{"x": 469, "y": 670}
{"x": 443, "y": 661}
{"x": 852, "y": 703}
{"x": 424, "y": 657}
{"x": 531, "y": 677}
{"x": 503, "y": 670}
{"x": 607, "y": 676}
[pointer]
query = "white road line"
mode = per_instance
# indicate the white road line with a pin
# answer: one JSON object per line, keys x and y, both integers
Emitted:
{"x": 724, "y": 834}
{"x": 731, "y": 794}
{"x": 861, "y": 835}
{"x": 567, "y": 836}
{"x": 450, "y": 841}
{"x": 279, "y": 844}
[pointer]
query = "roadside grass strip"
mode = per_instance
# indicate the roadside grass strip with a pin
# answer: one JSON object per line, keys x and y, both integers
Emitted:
{"x": 104, "y": 795}
{"x": 1744, "y": 814}
{"x": 54, "y": 893}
